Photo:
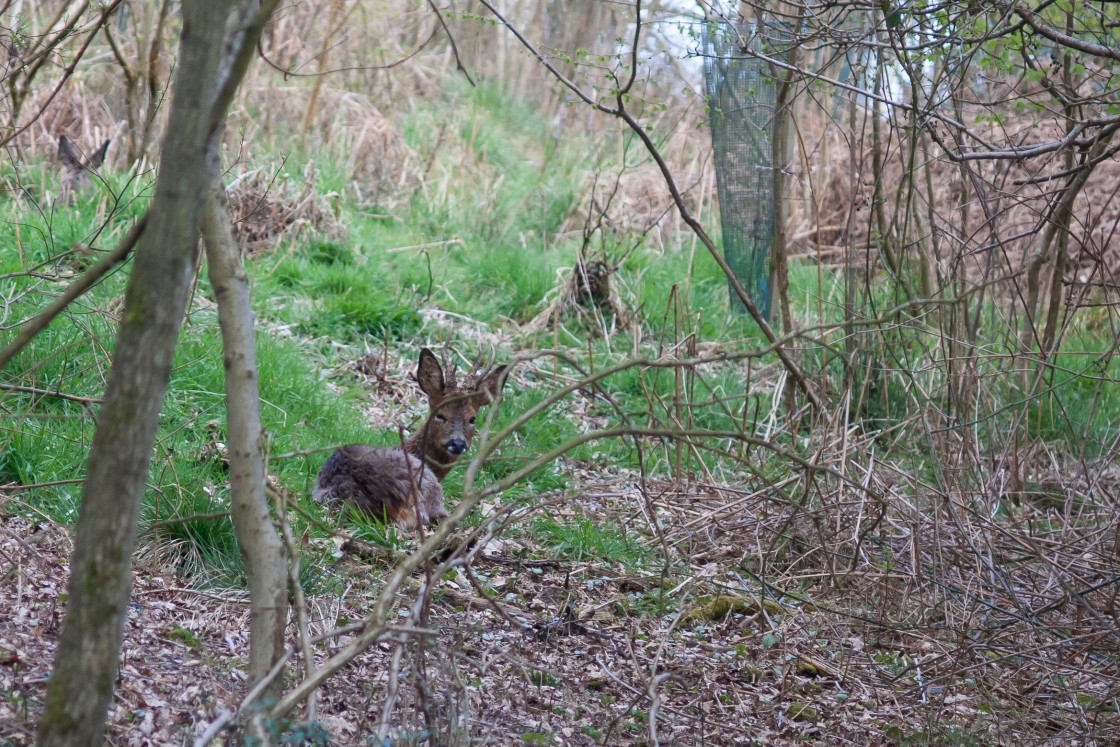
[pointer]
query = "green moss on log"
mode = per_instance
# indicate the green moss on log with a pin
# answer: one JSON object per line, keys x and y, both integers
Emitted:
{"x": 718, "y": 608}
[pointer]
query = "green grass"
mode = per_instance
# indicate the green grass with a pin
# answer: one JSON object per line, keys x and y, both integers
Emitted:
{"x": 479, "y": 236}
{"x": 1078, "y": 401}
{"x": 585, "y": 540}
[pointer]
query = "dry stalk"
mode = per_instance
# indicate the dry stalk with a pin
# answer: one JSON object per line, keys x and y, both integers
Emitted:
{"x": 280, "y": 500}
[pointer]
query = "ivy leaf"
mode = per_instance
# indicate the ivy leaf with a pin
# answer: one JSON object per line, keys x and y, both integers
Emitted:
{"x": 893, "y": 15}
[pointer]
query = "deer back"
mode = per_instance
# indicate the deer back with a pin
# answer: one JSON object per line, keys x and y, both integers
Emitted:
{"x": 382, "y": 483}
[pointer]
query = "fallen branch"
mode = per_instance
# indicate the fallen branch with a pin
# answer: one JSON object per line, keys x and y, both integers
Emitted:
{"x": 48, "y": 393}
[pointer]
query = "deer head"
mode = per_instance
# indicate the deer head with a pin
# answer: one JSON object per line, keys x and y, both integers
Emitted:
{"x": 77, "y": 170}
{"x": 447, "y": 433}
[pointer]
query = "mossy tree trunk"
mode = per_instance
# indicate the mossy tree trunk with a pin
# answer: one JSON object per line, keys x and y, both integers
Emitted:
{"x": 260, "y": 546}
{"x": 216, "y": 44}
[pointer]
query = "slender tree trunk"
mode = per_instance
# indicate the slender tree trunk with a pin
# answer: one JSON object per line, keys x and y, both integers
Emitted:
{"x": 261, "y": 548}
{"x": 850, "y": 242}
{"x": 1058, "y": 225}
{"x": 779, "y": 158}
{"x": 215, "y": 47}
{"x": 878, "y": 200}
{"x": 1057, "y": 280}
{"x": 320, "y": 69}
{"x": 155, "y": 79}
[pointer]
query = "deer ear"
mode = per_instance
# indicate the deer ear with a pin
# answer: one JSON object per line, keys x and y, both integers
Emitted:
{"x": 98, "y": 157}
{"x": 67, "y": 157}
{"x": 429, "y": 375}
{"x": 490, "y": 388}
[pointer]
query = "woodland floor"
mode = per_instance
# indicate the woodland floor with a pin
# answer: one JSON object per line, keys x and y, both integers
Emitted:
{"x": 771, "y": 607}
{"x": 561, "y": 654}
{"x": 570, "y": 629}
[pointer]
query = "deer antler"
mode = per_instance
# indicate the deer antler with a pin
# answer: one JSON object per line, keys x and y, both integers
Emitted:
{"x": 477, "y": 373}
{"x": 448, "y": 369}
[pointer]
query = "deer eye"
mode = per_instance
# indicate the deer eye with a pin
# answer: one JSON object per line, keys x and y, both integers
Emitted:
{"x": 440, "y": 418}
{"x": 471, "y": 421}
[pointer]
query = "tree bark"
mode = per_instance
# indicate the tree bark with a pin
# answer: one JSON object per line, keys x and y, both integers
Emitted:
{"x": 779, "y": 157}
{"x": 1057, "y": 224}
{"x": 320, "y": 70}
{"x": 260, "y": 547}
{"x": 215, "y": 48}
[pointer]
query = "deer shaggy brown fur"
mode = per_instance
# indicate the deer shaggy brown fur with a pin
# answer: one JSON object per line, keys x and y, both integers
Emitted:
{"x": 391, "y": 483}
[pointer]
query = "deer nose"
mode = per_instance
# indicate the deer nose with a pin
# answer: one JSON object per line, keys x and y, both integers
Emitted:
{"x": 456, "y": 446}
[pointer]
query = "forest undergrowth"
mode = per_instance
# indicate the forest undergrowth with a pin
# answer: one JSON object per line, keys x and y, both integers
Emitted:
{"x": 703, "y": 564}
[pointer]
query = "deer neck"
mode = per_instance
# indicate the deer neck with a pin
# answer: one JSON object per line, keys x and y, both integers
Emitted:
{"x": 417, "y": 446}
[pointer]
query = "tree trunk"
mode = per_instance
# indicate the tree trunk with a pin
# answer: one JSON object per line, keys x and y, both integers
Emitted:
{"x": 1057, "y": 279}
{"x": 320, "y": 70}
{"x": 212, "y": 63}
{"x": 779, "y": 157}
{"x": 1058, "y": 223}
{"x": 260, "y": 547}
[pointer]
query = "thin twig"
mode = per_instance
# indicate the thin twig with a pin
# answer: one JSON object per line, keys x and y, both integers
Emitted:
{"x": 34, "y": 326}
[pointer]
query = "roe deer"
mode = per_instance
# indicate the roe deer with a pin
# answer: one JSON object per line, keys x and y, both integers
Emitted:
{"x": 381, "y": 481}
{"x": 77, "y": 170}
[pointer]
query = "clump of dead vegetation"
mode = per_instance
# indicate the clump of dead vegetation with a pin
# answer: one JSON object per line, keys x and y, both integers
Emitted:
{"x": 584, "y": 295}
{"x": 612, "y": 227}
{"x": 262, "y": 210}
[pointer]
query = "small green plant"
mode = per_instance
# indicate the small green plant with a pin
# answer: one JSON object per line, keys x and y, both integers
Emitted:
{"x": 196, "y": 534}
{"x": 328, "y": 253}
{"x": 544, "y": 679}
{"x": 288, "y": 731}
{"x": 896, "y": 663}
{"x": 353, "y": 309}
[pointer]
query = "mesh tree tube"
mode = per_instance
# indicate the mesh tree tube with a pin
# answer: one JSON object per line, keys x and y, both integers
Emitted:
{"x": 741, "y": 108}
